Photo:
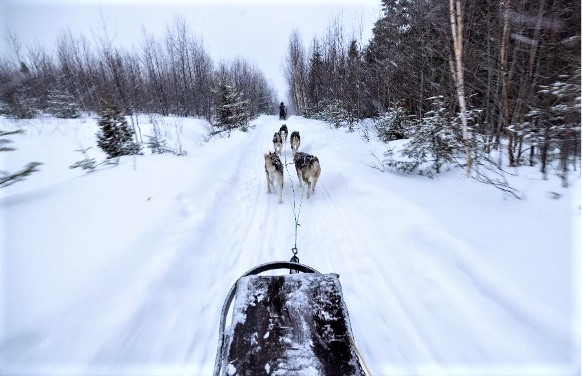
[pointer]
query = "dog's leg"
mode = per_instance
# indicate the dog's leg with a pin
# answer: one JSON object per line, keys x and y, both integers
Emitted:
{"x": 281, "y": 190}
{"x": 314, "y": 181}
{"x": 268, "y": 183}
{"x": 317, "y": 171}
{"x": 299, "y": 172}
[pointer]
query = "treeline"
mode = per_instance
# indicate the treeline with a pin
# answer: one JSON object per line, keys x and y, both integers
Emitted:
{"x": 521, "y": 73}
{"x": 170, "y": 75}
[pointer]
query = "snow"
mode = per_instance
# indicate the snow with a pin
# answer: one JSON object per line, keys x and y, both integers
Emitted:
{"x": 124, "y": 271}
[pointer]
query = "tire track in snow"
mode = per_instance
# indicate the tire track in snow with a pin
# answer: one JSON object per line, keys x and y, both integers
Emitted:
{"x": 409, "y": 309}
{"x": 368, "y": 270}
{"x": 174, "y": 300}
{"x": 246, "y": 212}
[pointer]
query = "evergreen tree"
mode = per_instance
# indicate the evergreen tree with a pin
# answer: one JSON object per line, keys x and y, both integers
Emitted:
{"x": 7, "y": 178}
{"x": 315, "y": 81}
{"x": 19, "y": 103}
{"x": 557, "y": 124}
{"x": 354, "y": 80}
{"x": 433, "y": 143}
{"x": 334, "y": 112}
{"x": 232, "y": 110}
{"x": 393, "y": 125}
{"x": 434, "y": 140}
{"x": 61, "y": 103}
{"x": 156, "y": 143}
{"x": 115, "y": 136}
{"x": 87, "y": 164}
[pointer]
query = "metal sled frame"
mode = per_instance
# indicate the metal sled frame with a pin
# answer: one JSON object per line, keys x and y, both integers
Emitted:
{"x": 256, "y": 270}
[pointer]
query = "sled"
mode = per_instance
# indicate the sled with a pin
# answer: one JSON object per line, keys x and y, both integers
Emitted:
{"x": 293, "y": 324}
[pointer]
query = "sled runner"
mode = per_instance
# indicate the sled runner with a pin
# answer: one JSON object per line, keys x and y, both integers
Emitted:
{"x": 293, "y": 324}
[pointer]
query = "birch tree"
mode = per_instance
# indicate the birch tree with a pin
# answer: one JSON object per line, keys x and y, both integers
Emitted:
{"x": 456, "y": 19}
{"x": 296, "y": 72}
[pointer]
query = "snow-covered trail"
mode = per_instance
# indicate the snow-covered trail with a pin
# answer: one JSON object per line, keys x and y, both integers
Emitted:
{"x": 416, "y": 292}
{"x": 421, "y": 298}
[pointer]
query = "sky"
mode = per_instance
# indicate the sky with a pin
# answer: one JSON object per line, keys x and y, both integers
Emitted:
{"x": 257, "y": 31}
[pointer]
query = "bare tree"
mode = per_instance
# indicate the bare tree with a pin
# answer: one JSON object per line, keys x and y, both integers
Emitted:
{"x": 295, "y": 72}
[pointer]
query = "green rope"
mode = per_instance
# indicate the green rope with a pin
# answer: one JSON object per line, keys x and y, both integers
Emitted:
{"x": 293, "y": 206}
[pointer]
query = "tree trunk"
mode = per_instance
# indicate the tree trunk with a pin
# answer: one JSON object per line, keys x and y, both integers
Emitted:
{"x": 505, "y": 119}
{"x": 544, "y": 151}
{"x": 456, "y": 18}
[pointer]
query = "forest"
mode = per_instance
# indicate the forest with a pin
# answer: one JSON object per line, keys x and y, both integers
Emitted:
{"x": 169, "y": 75}
{"x": 455, "y": 78}
{"x": 473, "y": 76}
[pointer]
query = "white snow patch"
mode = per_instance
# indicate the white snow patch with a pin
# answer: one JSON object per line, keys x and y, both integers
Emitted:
{"x": 124, "y": 271}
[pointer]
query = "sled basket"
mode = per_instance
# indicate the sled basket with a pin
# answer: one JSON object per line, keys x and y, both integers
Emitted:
{"x": 286, "y": 324}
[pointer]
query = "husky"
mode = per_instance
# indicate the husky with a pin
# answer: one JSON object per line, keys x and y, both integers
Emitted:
{"x": 308, "y": 169}
{"x": 294, "y": 141}
{"x": 283, "y": 133}
{"x": 277, "y": 144}
{"x": 274, "y": 173}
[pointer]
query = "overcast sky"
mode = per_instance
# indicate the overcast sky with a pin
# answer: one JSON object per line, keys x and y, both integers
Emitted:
{"x": 255, "y": 30}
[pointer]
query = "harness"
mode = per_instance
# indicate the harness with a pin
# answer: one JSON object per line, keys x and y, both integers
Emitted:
{"x": 304, "y": 160}
{"x": 276, "y": 162}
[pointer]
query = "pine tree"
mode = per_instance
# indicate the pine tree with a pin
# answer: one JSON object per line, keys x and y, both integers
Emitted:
{"x": 315, "y": 81}
{"x": 7, "y": 178}
{"x": 432, "y": 145}
{"x": 156, "y": 143}
{"x": 232, "y": 110}
{"x": 61, "y": 103}
{"x": 333, "y": 112}
{"x": 557, "y": 125}
{"x": 393, "y": 125}
{"x": 115, "y": 136}
{"x": 88, "y": 164}
{"x": 434, "y": 140}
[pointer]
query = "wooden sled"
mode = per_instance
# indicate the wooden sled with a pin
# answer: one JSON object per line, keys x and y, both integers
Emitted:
{"x": 293, "y": 324}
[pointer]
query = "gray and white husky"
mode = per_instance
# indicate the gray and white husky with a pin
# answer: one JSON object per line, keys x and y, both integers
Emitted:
{"x": 283, "y": 133}
{"x": 277, "y": 144}
{"x": 294, "y": 141}
{"x": 274, "y": 173}
{"x": 308, "y": 170}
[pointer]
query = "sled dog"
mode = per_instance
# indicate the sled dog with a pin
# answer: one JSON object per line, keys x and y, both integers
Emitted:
{"x": 294, "y": 141}
{"x": 283, "y": 133}
{"x": 308, "y": 169}
{"x": 274, "y": 173}
{"x": 277, "y": 144}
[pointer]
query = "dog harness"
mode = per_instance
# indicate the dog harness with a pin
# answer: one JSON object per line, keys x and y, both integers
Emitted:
{"x": 304, "y": 160}
{"x": 276, "y": 162}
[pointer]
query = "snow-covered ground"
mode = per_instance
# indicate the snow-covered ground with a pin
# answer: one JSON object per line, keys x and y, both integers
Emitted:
{"x": 124, "y": 271}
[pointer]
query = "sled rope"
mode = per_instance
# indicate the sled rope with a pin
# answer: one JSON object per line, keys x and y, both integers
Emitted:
{"x": 295, "y": 214}
{"x": 359, "y": 355}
